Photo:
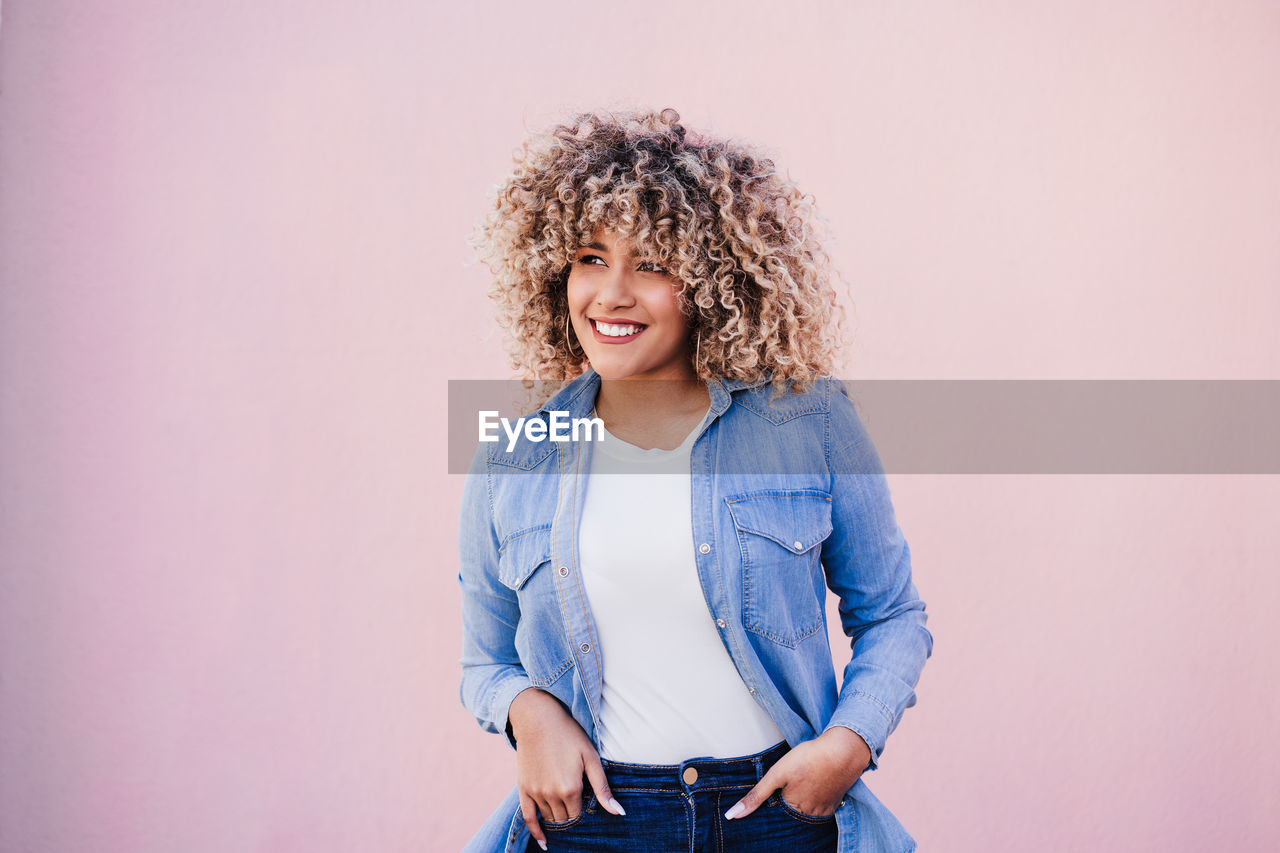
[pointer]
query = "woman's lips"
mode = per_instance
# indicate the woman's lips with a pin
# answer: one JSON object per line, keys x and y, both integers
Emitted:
{"x": 616, "y": 339}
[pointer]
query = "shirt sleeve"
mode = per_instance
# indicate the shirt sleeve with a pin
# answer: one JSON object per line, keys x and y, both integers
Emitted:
{"x": 868, "y": 566}
{"x": 492, "y": 674}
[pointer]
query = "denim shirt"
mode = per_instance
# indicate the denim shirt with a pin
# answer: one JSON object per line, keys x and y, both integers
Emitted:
{"x": 789, "y": 499}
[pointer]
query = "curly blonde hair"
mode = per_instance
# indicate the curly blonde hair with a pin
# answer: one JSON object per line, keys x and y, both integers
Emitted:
{"x": 743, "y": 241}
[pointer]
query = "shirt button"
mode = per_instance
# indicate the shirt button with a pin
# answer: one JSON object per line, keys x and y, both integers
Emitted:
{"x": 799, "y": 547}
{"x": 704, "y": 548}
{"x": 751, "y": 690}
{"x": 720, "y": 623}
{"x": 690, "y": 775}
{"x": 564, "y": 571}
{"x": 586, "y": 647}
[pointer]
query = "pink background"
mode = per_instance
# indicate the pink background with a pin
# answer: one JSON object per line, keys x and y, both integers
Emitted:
{"x": 235, "y": 282}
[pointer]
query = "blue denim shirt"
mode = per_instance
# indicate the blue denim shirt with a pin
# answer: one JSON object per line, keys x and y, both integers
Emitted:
{"x": 789, "y": 499}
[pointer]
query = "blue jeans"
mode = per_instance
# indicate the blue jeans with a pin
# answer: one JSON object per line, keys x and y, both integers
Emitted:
{"x": 680, "y": 807}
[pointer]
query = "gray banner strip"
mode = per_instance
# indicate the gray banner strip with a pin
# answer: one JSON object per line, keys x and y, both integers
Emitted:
{"x": 996, "y": 426}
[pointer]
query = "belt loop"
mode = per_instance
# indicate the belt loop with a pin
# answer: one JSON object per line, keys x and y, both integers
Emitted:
{"x": 758, "y": 761}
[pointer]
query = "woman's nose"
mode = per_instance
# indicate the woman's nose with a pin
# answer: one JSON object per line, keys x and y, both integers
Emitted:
{"x": 616, "y": 289}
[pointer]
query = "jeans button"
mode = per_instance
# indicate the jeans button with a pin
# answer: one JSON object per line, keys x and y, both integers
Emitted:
{"x": 690, "y": 775}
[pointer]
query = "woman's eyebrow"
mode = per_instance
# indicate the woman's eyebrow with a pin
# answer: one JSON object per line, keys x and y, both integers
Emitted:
{"x": 600, "y": 247}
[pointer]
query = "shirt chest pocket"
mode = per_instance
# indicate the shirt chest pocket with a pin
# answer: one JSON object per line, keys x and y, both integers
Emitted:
{"x": 780, "y": 534}
{"x": 524, "y": 565}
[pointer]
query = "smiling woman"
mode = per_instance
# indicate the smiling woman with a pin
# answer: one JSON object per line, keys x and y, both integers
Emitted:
{"x": 643, "y": 615}
{"x": 715, "y": 219}
{"x": 627, "y": 313}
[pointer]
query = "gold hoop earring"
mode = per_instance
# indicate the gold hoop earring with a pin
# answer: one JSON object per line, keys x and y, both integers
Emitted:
{"x": 568, "y": 343}
{"x": 697, "y": 351}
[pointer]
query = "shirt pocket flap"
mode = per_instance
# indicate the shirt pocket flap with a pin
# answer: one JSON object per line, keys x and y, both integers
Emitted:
{"x": 523, "y": 553}
{"x": 798, "y": 521}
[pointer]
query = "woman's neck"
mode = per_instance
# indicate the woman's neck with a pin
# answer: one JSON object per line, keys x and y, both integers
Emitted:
{"x": 652, "y": 413}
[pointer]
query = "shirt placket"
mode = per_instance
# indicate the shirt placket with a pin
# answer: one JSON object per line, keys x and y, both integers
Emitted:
{"x": 575, "y": 609}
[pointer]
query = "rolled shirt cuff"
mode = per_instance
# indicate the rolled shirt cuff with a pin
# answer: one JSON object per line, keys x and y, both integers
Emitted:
{"x": 867, "y": 717}
{"x": 503, "y": 696}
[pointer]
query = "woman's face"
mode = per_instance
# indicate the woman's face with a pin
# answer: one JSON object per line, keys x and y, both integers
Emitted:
{"x": 626, "y": 314}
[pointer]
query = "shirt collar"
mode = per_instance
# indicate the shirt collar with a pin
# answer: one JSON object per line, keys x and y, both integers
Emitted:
{"x": 579, "y": 396}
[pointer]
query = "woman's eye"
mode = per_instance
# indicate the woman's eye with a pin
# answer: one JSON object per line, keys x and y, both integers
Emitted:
{"x": 597, "y": 261}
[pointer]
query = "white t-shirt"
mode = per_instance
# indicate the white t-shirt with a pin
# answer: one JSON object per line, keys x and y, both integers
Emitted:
{"x": 671, "y": 691}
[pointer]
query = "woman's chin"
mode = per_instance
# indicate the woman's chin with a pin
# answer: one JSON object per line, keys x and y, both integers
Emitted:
{"x": 608, "y": 368}
{"x": 612, "y": 374}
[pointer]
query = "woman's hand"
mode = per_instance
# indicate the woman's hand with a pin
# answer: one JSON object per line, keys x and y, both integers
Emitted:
{"x": 552, "y": 754}
{"x": 813, "y": 777}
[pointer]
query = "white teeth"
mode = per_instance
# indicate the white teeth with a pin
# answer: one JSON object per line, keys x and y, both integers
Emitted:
{"x": 616, "y": 331}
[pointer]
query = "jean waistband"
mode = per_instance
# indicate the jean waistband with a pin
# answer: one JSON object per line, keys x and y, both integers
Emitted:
{"x": 695, "y": 773}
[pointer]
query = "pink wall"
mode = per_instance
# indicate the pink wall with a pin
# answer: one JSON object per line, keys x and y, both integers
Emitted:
{"x": 235, "y": 282}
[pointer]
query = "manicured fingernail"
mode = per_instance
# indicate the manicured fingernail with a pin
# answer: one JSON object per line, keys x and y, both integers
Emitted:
{"x": 542, "y": 844}
{"x": 734, "y": 812}
{"x": 616, "y": 807}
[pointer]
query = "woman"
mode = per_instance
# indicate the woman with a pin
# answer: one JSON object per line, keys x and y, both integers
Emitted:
{"x": 644, "y": 612}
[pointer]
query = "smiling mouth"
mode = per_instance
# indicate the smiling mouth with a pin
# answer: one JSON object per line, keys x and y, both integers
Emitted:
{"x": 616, "y": 333}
